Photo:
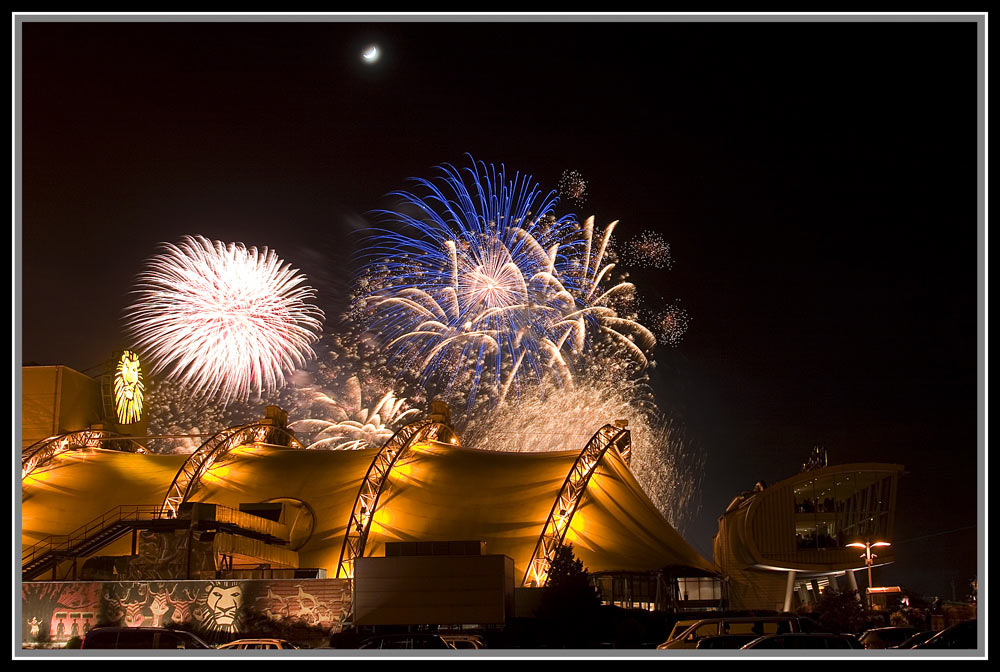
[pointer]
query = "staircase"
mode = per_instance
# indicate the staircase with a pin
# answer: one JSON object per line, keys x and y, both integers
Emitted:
{"x": 48, "y": 553}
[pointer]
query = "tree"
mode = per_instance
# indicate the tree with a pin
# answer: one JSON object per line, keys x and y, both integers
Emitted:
{"x": 570, "y": 607}
{"x": 841, "y": 612}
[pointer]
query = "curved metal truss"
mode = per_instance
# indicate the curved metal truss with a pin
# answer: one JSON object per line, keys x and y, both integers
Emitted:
{"x": 188, "y": 477}
{"x": 554, "y": 532}
{"x": 41, "y": 452}
{"x": 375, "y": 481}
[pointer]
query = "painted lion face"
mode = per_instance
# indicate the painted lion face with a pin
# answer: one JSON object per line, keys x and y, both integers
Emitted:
{"x": 224, "y": 604}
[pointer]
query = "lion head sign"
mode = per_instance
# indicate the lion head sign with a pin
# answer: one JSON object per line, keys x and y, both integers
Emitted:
{"x": 128, "y": 389}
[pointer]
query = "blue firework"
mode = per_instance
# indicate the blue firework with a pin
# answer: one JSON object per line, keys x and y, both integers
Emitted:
{"x": 473, "y": 281}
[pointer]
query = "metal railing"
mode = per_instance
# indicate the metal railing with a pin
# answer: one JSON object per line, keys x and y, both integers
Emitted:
{"x": 112, "y": 523}
{"x": 43, "y": 552}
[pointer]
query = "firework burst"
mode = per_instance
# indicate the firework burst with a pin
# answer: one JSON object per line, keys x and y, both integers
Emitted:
{"x": 648, "y": 250}
{"x": 486, "y": 289}
{"x": 343, "y": 422}
{"x": 671, "y": 324}
{"x": 573, "y": 187}
{"x": 226, "y": 321}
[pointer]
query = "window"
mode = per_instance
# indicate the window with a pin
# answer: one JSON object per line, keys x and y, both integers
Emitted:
{"x": 700, "y": 588}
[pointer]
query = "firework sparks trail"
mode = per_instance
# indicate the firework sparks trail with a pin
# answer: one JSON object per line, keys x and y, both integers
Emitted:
{"x": 487, "y": 289}
{"x": 553, "y": 419}
{"x": 226, "y": 321}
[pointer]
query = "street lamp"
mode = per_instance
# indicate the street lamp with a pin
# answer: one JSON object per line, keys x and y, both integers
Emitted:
{"x": 869, "y": 558}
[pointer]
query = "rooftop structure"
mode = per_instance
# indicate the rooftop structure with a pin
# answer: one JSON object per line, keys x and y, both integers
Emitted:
{"x": 781, "y": 545}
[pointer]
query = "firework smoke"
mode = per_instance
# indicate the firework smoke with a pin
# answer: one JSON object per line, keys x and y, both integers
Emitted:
{"x": 174, "y": 412}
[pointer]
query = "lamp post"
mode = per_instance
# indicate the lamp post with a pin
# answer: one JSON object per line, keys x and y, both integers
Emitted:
{"x": 869, "y": 559}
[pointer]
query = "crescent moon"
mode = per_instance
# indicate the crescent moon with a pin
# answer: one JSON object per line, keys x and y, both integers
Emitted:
{"x": 371, "y": 54}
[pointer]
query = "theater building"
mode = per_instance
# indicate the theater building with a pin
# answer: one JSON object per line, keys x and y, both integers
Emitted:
{"x": 252, "y": 525}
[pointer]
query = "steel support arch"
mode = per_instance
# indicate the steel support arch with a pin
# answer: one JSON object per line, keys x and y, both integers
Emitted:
{"x": 188, "y": 477}
{"x": 42, "y": 452}
{"x": 568, "y": 499}
{"x": 373, "y": 484}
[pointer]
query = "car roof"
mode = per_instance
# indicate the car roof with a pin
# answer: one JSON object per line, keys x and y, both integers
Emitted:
{"x": 140, "y": 628}
{"x": 801, "y": 635}
{"x": 748, "y": 619}
{"x": 256, "y": 639}
{"x": 891, "y": 627}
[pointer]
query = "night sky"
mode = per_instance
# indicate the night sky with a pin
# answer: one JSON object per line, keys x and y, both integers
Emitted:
{"x": 817, "y": 183}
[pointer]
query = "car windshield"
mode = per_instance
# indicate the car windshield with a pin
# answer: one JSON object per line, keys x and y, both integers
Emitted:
{"x": 918, "y": 638}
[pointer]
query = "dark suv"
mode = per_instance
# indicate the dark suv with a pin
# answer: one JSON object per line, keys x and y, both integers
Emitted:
{"x": 960, "y": 636}
{"x": 802, "y": 640}
{"x": 141, "y": 638}
{"x": 883, "y": 638}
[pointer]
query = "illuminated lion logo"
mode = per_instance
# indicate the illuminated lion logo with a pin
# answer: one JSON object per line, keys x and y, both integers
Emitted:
{"x": 128, "y": 389}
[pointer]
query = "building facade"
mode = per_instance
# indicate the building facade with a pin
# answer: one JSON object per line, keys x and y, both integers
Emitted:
{"x": 780, "y": 546}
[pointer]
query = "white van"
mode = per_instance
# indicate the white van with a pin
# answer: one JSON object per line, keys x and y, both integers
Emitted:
{"x": 686, "y": 634}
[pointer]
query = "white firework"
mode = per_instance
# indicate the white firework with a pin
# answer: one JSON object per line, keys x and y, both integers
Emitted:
{"x": 225, "y": 321}
{"x": 348, "y": 425}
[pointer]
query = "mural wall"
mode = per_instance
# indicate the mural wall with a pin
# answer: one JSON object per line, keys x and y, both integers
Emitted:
{"x": 216, "y": 610}
{"x": 159, "y": 556}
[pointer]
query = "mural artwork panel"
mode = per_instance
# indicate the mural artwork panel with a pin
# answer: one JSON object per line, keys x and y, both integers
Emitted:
{"x": 55, "y": 612}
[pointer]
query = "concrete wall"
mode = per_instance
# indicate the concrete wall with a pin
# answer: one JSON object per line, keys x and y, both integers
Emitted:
{"x": 55, "y": 400}
{"x": 443, "y": 590}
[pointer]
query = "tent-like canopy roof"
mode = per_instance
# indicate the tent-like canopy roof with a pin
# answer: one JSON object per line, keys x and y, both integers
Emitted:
{"x": 435, "y": 492}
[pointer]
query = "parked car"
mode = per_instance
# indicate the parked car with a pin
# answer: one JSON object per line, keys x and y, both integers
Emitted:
{"x": 805, "y": 640}
{"x": 733, "y": 625}
{"x": 961, "y": 636}
{"x": 405, "y": 641}
{"x": 113, "y": 637}
{"x": 464, "y": 641}
{"x": 883, "y": 638}
{"x": 679, "y": 627}
{"x": 258, "y": 644}
{"x": 724, "y": 641}
{"x": 918, "y": 638}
